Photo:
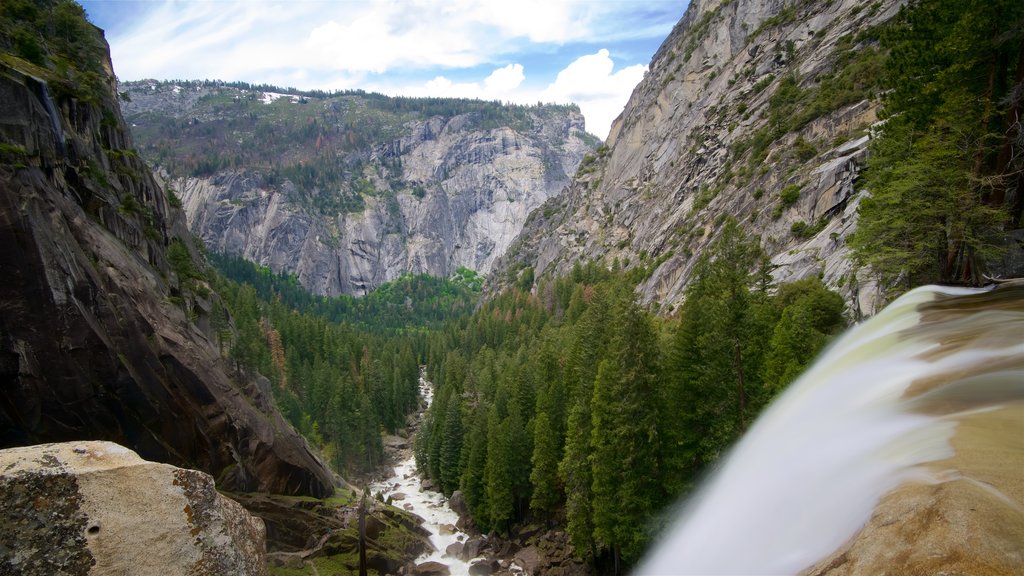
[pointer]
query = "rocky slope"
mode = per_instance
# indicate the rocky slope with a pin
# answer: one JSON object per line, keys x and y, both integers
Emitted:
{"x": 756, "y": 109}
{"x": 105, "y": 321}
{"x": 401, "y": 185}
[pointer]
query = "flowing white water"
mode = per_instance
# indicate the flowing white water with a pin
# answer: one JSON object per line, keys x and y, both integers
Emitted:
{"x": 808, "y": 474}
{"x": 430, "y": 505}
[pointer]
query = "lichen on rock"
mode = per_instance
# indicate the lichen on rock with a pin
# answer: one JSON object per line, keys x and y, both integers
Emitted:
{"x": 97, "y": 508}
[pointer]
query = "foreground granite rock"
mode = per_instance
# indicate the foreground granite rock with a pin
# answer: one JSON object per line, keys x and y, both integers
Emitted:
{"x": 97, "y": 508}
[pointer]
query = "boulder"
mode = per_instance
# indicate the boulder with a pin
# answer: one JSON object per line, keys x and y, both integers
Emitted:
{"x": 446, "y": 530}
{"x": 529, "y": 558}
{"x": 431, "y": 569}
{"x": 482, "y": 568}
{"x": 471, "y": 549}
{"x": 458, "y": 504}
{"x": 454, "y": 549}
{"x": 97, "y": 507}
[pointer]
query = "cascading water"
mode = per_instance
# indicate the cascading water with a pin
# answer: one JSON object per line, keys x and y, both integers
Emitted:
{"x": 870, "y": 415}
{"x": 438, "y": 518}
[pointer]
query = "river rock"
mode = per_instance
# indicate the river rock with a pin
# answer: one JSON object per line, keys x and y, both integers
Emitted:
{"x": 454, "y": 549}
{"x": 446, "y": 530}
{"x": 529, "y": 558}
{"x": 471, "y": 549}
{"x": 482, "y": 568}
{"x": 431, "y": 569}
{"x": 397, "y": 496}
{"x": 458, "y": 504}
{"x": 97, "y": 507}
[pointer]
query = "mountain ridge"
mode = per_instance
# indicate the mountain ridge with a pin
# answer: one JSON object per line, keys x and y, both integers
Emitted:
{"x": 361, "y": 187}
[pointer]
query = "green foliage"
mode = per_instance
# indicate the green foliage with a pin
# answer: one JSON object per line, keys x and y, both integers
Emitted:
{"x": 941, "y": 173}
{"x": 811, "y": 315}
{"x": 56, "y": 39}
{"x": 337, "y": 383}
{"x": 181, "y": 261}
{"x": 408, "y": 303}
{"x": 789, "y": 195}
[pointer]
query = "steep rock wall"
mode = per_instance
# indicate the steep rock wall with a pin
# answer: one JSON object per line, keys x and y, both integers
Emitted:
{"x": 99, "y": 338}
{"x": 696, "y": 143}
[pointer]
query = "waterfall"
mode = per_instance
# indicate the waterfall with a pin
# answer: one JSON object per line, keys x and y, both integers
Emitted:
{"x": 41, "y": 92}
{"x": 877, "y": 407}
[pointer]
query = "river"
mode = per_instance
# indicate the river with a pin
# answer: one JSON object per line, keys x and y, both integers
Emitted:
{"x": 406, "y": 491}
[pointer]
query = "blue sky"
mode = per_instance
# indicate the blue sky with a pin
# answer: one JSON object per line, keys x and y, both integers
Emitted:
{"x": 589, "y": 52}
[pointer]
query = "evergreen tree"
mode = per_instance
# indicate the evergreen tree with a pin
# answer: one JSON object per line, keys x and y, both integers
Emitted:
{"x": 544, "y": 475}
{"x": 498, "y": 472}
{"x": 942, "y": 173}
{"x": 451, "y": 448}
{"x": 714, "y": 361}
{"x": 624, "y": 434}
{"x": 474, "y": 481}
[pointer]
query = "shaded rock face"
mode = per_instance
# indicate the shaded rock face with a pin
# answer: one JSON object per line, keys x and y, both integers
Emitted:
{"x": 679, "y": 157}
{"x": 97, "y": 508}
{"x": 99, "y": 338}
{"x": 450, "y": 191}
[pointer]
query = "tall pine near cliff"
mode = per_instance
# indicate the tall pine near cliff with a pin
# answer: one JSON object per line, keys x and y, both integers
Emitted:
{"x": 942, "y": 173}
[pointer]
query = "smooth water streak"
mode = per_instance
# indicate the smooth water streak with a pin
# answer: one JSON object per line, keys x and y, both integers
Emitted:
{"x": 807, "y": 476}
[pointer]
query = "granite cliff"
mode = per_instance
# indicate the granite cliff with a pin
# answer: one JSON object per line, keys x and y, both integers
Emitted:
{"x": 758, "y": 109}
{"x": 394, "y": 186}
{"x": 107, "y": 322}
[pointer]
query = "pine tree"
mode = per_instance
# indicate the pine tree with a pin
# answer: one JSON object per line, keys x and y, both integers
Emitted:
{"x": 474, "y": 481}
{"x": 451, "y": 448}
{"x": 714, "y": 362}
{"x": 498, "y": 472}
{"x": 624, "y": 434}
{"x": 544, "y": 475}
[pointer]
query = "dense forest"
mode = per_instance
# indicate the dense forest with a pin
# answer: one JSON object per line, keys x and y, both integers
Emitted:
{"x": 342, "y": 370}
{"x": 573, "y": 404}
{"x": 946, "y": 168}
{"x": 569, "y": 403}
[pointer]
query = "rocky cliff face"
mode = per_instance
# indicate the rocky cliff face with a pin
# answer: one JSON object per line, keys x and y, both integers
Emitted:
{"x": 101, "y": 336}
{"x": 429, "y": 189}
{"x": 755, "y": 109}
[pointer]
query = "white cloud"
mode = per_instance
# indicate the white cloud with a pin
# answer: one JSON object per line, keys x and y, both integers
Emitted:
{"x": 501, "y": 84}
{"x": 590, "y": 81}
{"x": 600, "y": 93}
{"x": 504, "y": 80}
{"x": 378, "y": 44}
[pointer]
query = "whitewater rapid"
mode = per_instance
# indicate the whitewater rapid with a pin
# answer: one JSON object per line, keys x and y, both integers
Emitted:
{"x": 861, "y": 421}
{"x": 406, "y": 491}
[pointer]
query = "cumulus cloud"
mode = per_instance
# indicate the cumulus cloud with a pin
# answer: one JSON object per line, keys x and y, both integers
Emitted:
{"x": 368, "y": 36}
{"x": 600, "y": 93}
{"x": 380, "y": 44}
